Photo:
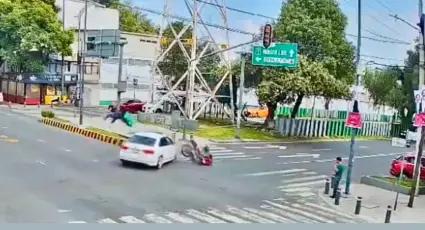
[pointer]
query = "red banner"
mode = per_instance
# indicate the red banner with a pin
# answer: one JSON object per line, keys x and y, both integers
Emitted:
{"x": 354, "y": 120}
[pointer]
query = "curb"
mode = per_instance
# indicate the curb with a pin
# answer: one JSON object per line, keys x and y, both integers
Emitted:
{"x": 84, "y": 132}
{"x": 330, "y": 204}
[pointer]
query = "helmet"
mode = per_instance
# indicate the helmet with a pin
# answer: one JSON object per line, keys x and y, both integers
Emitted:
{"x": 206, "y": 148}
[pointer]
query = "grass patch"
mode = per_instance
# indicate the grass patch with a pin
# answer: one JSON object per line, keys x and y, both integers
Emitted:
{"x": 405, "y": 182}
{"x": 104, "y": 132}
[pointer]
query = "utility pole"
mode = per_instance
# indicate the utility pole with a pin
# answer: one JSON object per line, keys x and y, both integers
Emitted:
{"x": 241, "y": 90}
{"x": 192, "y": 73}
{"x": 83, "y": 58}
{"x": 120, "y": 82}
{"x": 63, "y": 62}
{"x": 420, "y": 141}
{"x": 355, "y": 106}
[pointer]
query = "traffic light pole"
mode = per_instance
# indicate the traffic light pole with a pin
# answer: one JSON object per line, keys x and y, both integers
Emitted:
{"x": 355, "y": 105}
{"x": 241, "y": 90}
{"x": 83, "y": 58}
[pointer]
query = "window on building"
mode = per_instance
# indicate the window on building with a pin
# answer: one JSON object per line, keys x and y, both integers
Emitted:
{"x": 90, "y": 43}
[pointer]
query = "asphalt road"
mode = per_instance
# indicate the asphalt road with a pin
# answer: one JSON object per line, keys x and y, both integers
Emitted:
{"x": 48, "y": 175}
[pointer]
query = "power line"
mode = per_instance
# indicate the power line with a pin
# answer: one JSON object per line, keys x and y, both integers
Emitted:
{"x": 381, "y": 58}
{"x": 385, "y": 37}
{"x": 406, "y": 22}
{"x": 385, "y": 6}
{"x": 245, "y": 32}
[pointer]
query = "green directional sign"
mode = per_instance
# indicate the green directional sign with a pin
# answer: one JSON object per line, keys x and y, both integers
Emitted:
{"x": 278, "y": 54}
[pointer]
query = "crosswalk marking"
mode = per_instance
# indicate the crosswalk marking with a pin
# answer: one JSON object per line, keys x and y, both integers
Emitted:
{"x": 227, "y": 157}
{"x": 276, "y": 211}
{"x": 204, "y": 217}
{"x": 131, "y": 220}
{"x": 305, "y": 179}
{"x": 157, "y": 219}
{"x": 250, "y": 158}
{"x": 215, "y": 155}
{"x": 292, "y": 209}
{"x": 298, "y": 218}
{"x": 77, "y": 222}
{"x": 276, "y": 172}
{"x": 269, "y": 215}
{"x": 249, "y": 216}
{"x": 217, "y": 148}
{"x": 300, "y": 189}
{"x": 106, "y": 221}
{"x": 221, "y": 151}
{"x": 227, "y": 217}
{"x": 180, "y": 218}
{"x": 301, "y": 184}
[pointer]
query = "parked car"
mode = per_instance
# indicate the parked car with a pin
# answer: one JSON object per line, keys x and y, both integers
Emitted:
{"x": 409, "y": 165}
{"x": 148, "y": 148}
{"x": 132, "y": 106}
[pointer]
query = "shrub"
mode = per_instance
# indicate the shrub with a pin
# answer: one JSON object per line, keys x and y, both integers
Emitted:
{"x": 47, "y": 114}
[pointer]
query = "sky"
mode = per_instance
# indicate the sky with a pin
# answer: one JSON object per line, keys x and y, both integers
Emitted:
{"x": 376, "y": 23}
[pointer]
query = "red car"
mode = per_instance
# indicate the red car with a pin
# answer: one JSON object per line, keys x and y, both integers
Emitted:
{"x": 132, "y": 106}
{"x": 409, "y": 165}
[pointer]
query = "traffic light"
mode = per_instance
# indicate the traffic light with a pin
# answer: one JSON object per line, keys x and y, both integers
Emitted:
{"x": 421, "y": 23}
{"x": 267, "y": 36}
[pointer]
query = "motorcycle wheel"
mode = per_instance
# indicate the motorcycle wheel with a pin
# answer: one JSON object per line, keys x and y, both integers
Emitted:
{"x": 187, "y": 150}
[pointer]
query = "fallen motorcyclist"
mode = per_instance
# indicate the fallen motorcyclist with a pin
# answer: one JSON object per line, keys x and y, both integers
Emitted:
{"x": 204, "y": 156}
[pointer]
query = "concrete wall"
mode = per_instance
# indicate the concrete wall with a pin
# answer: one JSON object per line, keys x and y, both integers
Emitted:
{"x": 139, "y": 45}
{"x": 98, "y": 17}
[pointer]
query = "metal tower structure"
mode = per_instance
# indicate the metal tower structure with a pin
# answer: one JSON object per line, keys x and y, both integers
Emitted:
{"x": 193, "y": 74}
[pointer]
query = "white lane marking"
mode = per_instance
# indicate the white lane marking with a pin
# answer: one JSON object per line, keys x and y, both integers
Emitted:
{"x": 299, "y": 206}
{"x": 157, "y": 219}
{"x": 131, "y": 220}
{"x": 289, "y": 175}
{"x": 305, "y": 194}
{"x": 221, "y": 151}
{"x": 309, "y": 178}
{"x": 279, "y": 199}
{"x": 227, "y": 154}
{"x": 217, "y": 148}
{"x": 42, "y": 141}
{"x": 269, "y": 215}
{"x": 309, "y": 173}
{"x": 63, "y": 210}
{"x": 228, "y": 157}
{"x": 4, "y": 127}
{"x": 95, "y": 161}
{"x": 307, "y": 214}
{"x": 300, "y": 155}
{"x": 275, "y": 172}
{"x": 329, "y": 210}
{"x": 282, "y": 147}
{"x": 301, "y": 189}
{"x": 249, "y": 216}
{"x": 300, "y": 184}
{"x": 227, "y": 217}
{"x": 272, "y": 146}
{"x": 253, "y": 147}
{"x": 321, "y": 150}
{"x": 106, "y": 221}
{"x": 363, "y": 147}
{"x": 252, "y": 158}
{"x": 77, "y": 222}
{"x": 180, "y": 218}
{"x": 67, "y": 150}
{"x": 41, "y": 162}
{"x": 204, "y": 217}
{"x": 298, "y": 218}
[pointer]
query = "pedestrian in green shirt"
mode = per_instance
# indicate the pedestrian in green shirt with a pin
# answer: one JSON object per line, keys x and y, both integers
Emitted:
{"x": 339, "y": 171}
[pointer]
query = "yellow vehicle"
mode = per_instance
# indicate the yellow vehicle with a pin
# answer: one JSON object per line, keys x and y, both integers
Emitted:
{"x": 257, "y": 111}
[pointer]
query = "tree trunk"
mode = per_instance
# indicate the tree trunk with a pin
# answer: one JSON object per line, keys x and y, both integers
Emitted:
{"x": 297, "y": 106}
{"x": 271, "y": 107}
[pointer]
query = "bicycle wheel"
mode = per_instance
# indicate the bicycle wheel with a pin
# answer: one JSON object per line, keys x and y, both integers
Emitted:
{"x": 187, "y": 150}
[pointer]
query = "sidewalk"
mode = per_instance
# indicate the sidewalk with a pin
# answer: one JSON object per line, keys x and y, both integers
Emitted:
{"x": 100, "y": 123}
{"x": 375, "y": 202}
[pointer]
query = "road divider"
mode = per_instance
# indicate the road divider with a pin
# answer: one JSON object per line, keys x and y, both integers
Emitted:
{"x": 117, "y": 141}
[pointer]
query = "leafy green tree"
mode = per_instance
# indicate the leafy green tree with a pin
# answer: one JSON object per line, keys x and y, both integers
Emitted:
{"x": 311, "y": 78}
{"x": 29, "y": 32}
{"x": 131, "y": 19}
{"x": 108, "y": 3}
{"x": 318, "y": 27}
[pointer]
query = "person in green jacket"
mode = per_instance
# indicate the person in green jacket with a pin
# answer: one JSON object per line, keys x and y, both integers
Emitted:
{"x": 339, "y": 172}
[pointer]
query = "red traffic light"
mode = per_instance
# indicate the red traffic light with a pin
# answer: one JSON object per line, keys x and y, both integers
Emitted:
{"x": 267, "y": 35}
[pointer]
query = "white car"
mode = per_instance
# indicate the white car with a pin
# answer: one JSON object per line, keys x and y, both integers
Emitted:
{"x": 149, "y": 148}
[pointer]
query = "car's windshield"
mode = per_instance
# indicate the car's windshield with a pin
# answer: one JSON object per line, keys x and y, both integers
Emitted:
{"x": 142, "y": 140}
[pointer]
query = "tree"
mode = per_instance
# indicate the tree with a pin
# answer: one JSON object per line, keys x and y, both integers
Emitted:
{"x": 310, "y": 78}
{"x": 318, "y": 27}
{"x": 26, "y": 25}
{"x": 131, "y": 19}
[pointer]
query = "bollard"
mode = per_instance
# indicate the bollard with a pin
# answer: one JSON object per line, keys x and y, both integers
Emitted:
{"x": 388, "y": 214}
{"x": 10, "y": 104}
{"x": 358, "y": 205}
{"x": 332, "y": 182}
{"x": 337, "y": 196}
{"x": 327, "y": 186}
{"x": 174, "y": 137}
